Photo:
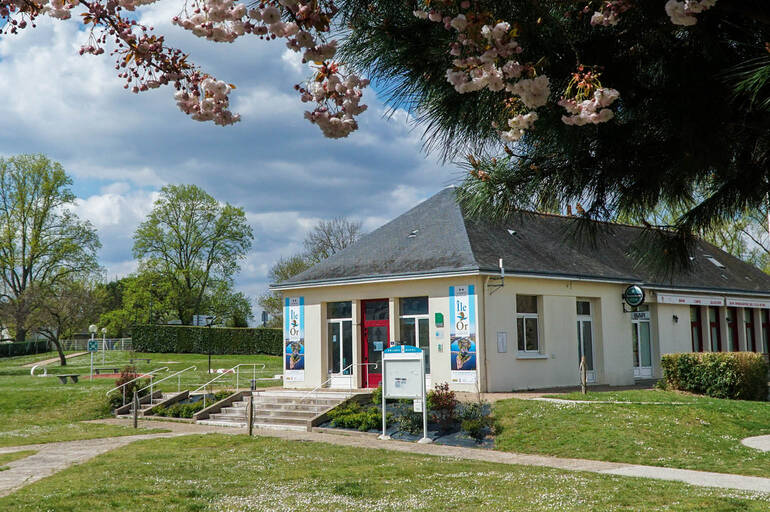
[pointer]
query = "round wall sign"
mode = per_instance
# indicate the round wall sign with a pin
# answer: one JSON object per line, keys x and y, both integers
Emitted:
{"x": 634, "y": 296}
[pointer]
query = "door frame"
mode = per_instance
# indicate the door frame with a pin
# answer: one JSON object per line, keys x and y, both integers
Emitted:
{"x": 642, "y": 372}
{"x": 371, "y": 379}
{"x": 590, "y": 374}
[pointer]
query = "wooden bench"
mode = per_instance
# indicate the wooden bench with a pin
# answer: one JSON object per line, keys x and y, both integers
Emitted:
{"x": 103, "y": 369}
{"x": 131, "y": 361}
{"x": 63, "y": 377}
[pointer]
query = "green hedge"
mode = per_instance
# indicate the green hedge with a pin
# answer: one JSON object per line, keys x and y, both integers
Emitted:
{"x": 735, "y": 375}
{"x": 23, "y": 348}
{"x": 198, "y": 340}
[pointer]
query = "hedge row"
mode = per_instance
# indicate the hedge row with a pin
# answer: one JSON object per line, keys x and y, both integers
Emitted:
{"x": 199, "y": 340}
{"x": 23, "y": 348}
{"x": 735, "y": 375}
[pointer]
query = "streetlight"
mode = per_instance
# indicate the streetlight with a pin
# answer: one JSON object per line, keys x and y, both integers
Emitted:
{"x": 104, "y": 342}
{"x": 92, "y": 329}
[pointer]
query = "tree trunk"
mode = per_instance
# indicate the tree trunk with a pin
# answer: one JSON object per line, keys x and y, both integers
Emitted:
{"x": 62, "y": 357}
{"x": 21, "y": 334}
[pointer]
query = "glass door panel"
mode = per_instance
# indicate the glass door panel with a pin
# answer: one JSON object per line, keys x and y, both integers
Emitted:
{"x": 423, "y": 336}
{"x": 334, "y": 341}
{"x": 644, "y": 344}
{"x": 587, "y": 345}
{"x": 347, "y": 347}
{"x": 635, "y": 341}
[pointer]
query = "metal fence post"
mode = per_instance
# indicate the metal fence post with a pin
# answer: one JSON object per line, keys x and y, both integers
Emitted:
{"x": 136, "y": 409}
{"x": 250, "y": 405}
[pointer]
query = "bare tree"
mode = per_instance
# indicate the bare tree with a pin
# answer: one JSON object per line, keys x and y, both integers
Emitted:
{"x": 331, "y": 236}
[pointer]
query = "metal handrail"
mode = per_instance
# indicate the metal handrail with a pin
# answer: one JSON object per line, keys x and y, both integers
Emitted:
{"x": 236, "y": 370}
{"x": 143, "y": 375}
{"x": 178, "y": 375}
{"x": 350, "y": 390}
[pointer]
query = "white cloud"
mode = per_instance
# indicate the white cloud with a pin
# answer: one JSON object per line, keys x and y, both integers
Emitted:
{"x": 121, "y": 147}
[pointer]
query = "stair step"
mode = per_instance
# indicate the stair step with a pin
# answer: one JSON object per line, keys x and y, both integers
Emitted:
{"x": 281, "y": 420}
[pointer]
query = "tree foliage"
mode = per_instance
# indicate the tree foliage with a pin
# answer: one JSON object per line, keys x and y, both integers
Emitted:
{"x": 680, "y": 124}
{"x": 65, "y": 307}
{"x": 192, "y": 243}
{"x": 42, "y": 242}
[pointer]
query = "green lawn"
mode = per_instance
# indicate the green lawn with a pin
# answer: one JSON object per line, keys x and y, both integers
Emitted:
{"x": 704, "y": 435}
{"x": 5, "y": 458}
{"x": 42, "y": 410}
{"x": 236, "y": 473}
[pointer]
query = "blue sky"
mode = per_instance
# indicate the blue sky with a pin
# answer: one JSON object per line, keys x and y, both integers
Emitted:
{"x": 120, "y": 148}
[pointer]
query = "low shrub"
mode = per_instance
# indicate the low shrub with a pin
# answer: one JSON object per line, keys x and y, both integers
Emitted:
{"x": 178, "y": 410}
{"x": 354, "y": 415}
{"x": 733, "y": 375}
{"x": 127, "y": 374}
{"x": 476, "y": 420}
{"x": 409, "y": 421}
{"x": 442, "y": 404}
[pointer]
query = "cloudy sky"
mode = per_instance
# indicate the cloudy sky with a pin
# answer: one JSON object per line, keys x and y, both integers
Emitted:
{"x": 120, "y": 148}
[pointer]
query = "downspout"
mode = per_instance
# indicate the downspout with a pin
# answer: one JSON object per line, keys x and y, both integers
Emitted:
{"x": 483, "y": 311}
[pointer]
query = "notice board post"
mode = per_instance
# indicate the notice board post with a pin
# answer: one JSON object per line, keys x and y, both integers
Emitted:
{"x": 403, "y": 376}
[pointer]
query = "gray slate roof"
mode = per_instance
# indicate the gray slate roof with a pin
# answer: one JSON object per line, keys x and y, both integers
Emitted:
{"x": 435, "y": 237}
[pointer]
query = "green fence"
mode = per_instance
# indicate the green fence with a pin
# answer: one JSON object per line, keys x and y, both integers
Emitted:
{"x": 200, "y": 340}
{"x": 23, "y": 348}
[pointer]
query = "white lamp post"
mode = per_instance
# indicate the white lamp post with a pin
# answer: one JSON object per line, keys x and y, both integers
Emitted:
{"x": 92, "y": 330}
{"x": 104, "y": 342}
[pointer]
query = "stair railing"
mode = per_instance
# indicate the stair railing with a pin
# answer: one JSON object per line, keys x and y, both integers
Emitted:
{"x": 324, "y": 383}
{"x": 178, "y": 375}
{"x": 236, "y": 370}
{"x": 150, "y": 374}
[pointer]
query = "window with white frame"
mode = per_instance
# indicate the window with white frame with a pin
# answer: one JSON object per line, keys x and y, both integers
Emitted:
{"x": 414, "y": 325}
{"x": 526, "y": 323}
{"x": 339, "y": 337}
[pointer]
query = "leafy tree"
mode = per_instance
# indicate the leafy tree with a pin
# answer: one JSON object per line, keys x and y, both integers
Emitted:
{"x": 233, "y": 309}
{"x": 64, "y": 308}
{"x": 331, "y": 236}
{"x": 193, "y": 243}
{"x": 42, "y": 242}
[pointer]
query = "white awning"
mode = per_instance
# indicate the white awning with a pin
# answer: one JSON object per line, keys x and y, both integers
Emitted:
{"x": 747, "y": 303}
{"x": 694, "y": 300}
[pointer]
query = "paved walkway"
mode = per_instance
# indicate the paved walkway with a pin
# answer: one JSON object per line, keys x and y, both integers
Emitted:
{"x": 54, "y": 457}
{"x": 761, "y": 443}
{"x": 699, "y": 478}
{"x": 53, "y": 360}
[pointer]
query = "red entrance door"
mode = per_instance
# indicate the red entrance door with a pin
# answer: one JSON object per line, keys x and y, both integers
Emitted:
{"x": 374, "y": 339}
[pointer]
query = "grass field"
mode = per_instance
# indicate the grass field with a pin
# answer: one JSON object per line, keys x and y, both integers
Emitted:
{"x": 236, "y": 473}
{"x": 705, "y": 434}
{"x": 41, "y": 409}
{"x": 5, "y": 458}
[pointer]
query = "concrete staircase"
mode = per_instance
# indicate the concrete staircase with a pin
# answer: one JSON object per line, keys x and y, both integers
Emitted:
{"x": 279, "y": 409}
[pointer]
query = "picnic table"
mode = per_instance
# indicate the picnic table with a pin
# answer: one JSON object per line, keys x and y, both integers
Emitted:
{"x": 63, "y": 377}
{"x": 131, "y": 361}
{"x": 104, "y": 368}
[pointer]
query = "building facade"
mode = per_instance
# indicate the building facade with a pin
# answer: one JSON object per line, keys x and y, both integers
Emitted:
{"x": 510, "y": 306}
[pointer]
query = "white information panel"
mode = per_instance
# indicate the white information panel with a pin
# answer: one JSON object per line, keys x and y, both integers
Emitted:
{"x": 403, "y": 376}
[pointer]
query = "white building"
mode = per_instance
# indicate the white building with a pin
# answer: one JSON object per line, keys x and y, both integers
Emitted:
{"x": 432, "y": 278}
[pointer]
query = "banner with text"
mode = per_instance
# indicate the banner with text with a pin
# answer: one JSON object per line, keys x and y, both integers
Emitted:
{"x": 294, "y": 339}
{"x": 462, "y": 333}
